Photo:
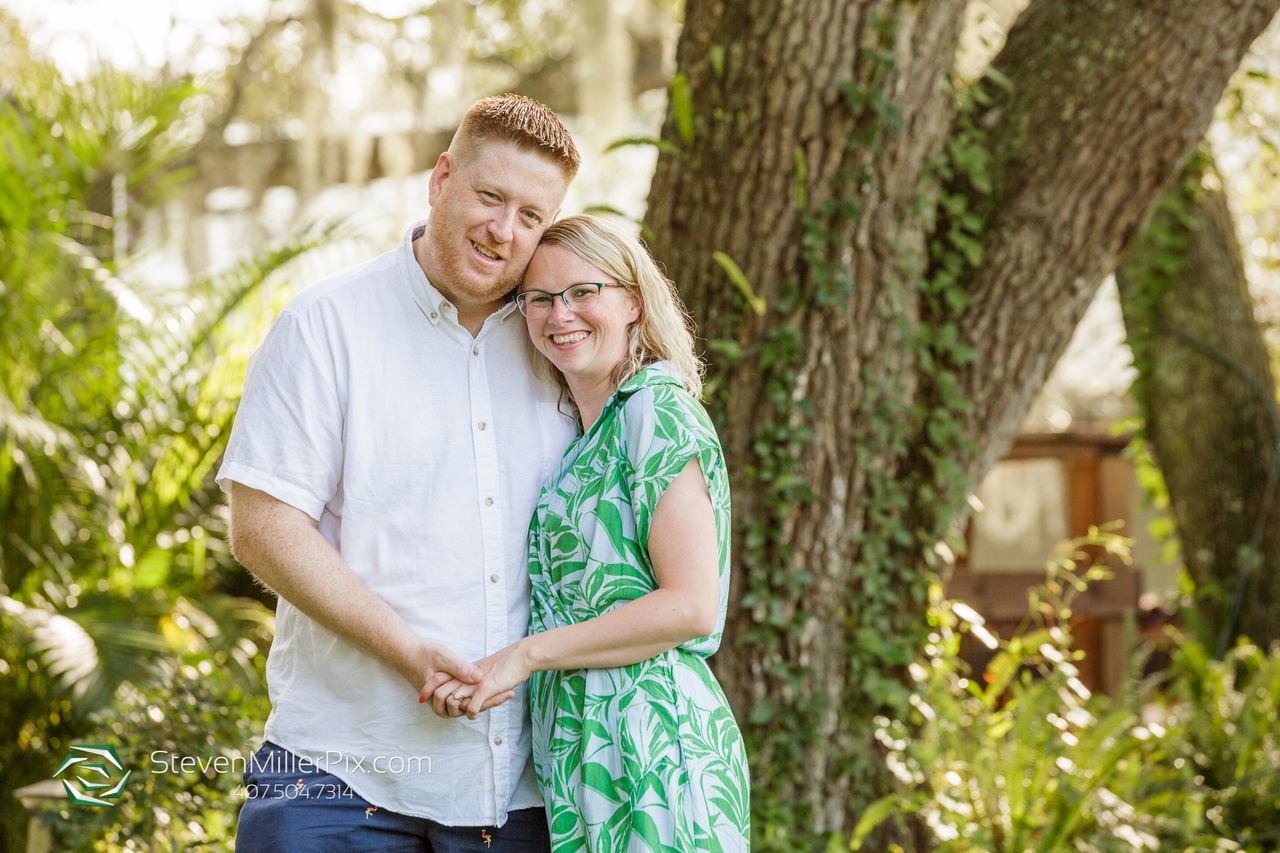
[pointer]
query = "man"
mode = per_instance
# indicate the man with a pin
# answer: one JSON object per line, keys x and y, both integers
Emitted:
{"x": 384, "y": 464}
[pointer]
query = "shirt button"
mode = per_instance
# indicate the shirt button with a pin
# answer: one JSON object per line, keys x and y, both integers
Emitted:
{"x": 475, "y": 350}
{"x": 434, "y": 315}
{"x": 497, "y": 741}
{"x": 445, "y": 306}
{"x": 493, "y": 578}
{"x": 488, "y": 501}
{"x": 480, "y": 425}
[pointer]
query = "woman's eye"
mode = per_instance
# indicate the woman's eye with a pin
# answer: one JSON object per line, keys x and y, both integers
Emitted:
{"x": 541, "y": 300}
{"x": 581, "y": 292}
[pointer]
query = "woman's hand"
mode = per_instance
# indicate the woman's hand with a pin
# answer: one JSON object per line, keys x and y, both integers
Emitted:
{"x": 448, "y": 699}
{"x": 502, "y": 671}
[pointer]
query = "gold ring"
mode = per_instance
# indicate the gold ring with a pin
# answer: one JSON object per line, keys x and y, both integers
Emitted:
{"x": 457, "y": 694}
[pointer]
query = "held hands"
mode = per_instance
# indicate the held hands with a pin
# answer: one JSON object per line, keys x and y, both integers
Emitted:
{"x": 500, "y": 673}
{"x": 440, "y": 666}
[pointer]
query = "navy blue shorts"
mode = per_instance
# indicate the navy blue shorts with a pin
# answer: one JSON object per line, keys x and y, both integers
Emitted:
{"x": 311, "y": 811}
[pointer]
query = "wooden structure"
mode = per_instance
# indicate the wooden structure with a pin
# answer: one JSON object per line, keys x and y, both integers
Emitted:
{"x": 1051, "y": 487}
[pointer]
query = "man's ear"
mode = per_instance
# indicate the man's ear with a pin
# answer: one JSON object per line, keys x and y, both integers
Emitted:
{"x": 443, "y": 169}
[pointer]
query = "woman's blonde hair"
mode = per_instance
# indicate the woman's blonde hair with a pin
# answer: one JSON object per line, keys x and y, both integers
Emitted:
{"x": 664, "y": 330}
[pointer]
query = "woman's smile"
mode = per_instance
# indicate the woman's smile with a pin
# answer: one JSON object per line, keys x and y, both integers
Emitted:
{"x": 568, "y": 339}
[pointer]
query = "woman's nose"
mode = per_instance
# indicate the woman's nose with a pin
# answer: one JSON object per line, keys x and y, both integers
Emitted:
{"x": 560, "y": 310}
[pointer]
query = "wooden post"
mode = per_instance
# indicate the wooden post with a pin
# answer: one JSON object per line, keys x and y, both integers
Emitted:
{"x": 32, "y": 797}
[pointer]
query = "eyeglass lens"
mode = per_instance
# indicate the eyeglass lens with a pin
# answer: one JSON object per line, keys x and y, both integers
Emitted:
{"x": 537, "y": 303}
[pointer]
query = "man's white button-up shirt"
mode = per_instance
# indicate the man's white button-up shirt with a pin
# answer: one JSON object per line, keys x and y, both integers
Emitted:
{"x": 420, "y": 450}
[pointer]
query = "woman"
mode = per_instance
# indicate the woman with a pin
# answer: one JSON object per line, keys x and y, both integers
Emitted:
{"x": 634, "y": 744}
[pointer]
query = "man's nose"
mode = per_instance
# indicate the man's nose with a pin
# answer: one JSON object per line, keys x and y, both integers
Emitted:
{"x": 502, "y": 224}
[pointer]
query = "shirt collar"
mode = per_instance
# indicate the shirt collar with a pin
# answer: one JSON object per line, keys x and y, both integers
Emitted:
{"x": 658, "y": 373}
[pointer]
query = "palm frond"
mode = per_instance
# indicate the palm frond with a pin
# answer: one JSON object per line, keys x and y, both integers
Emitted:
{"x": 91, "y": 648}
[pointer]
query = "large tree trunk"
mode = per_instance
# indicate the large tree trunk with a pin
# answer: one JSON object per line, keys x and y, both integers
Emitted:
{"x": 887, "y": 372}
{"x": 1107, "y": 103}
{"x": 814, "y": 397}
{"x": 1208, "y": 400}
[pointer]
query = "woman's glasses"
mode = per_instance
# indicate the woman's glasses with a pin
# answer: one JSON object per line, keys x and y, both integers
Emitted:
{"x": 536, "y": 304}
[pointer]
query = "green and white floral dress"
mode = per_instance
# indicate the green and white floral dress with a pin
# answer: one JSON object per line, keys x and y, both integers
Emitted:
{"x": 645, "y": 757}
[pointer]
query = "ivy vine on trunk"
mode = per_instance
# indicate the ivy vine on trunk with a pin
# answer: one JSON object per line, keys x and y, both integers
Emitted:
{"x": 884, "y": 270}
{"x": 1207, "y": 399}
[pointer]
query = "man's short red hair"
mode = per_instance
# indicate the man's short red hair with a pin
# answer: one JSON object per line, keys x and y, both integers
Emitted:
{"x": 521, "y": 121}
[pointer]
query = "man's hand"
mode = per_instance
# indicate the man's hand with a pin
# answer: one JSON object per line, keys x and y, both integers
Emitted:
{"x": 449, "y": 698}
{"x": 501, "y": 672}
{"x": 442, "y": 667}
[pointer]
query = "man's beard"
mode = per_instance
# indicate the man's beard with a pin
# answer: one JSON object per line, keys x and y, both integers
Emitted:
{"x": 459, "y": 276}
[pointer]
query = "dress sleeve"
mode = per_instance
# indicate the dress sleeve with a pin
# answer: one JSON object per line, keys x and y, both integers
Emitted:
{"x": 287, "y": 436}
{"x": 663, "y": 428}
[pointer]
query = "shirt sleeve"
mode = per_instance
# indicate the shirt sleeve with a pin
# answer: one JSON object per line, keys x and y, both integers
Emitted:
{"x": 287, "y": 436}
{"x": 663, "y": 428}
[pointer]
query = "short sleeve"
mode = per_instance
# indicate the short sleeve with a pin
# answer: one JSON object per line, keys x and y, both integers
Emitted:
{"x": 662, "y": 429}
{"x": 287, "y": 436}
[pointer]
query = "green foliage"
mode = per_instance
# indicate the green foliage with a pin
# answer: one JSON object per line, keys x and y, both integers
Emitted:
{"x": 116, "y": 400}
{"x": 1226, "y": 716}
{"x": 197, "y": 711}
{"x": 661, "y": 144}
{"x": 1157, "y": 256}
{"x": 1153, "y": 491}
{"x": 1024, "y": 757}
{"x": 739, "y": 279}
{"x": 910, "y": 508}
{"x": 682, "y": 106}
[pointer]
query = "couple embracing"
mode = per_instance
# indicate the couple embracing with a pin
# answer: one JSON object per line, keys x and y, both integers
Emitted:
{"x": 476, "y": 472}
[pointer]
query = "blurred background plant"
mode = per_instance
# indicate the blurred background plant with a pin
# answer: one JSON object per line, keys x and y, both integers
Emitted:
{"x": 1022, "y": 756}
{"x": 116, "y": 398}
{"x": 1226, "y": 713}
{"x": 200, "y": 712}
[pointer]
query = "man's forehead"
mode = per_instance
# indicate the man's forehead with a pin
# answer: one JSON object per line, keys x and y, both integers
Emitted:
{"x": 494, "y": 156}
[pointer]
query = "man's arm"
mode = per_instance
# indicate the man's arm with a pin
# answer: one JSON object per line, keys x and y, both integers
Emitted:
{"x": 685, "y": 552}
{"x": 284, "y": 549}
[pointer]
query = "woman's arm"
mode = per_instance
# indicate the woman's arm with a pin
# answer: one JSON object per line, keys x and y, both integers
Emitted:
{"x": 685, "y": 553}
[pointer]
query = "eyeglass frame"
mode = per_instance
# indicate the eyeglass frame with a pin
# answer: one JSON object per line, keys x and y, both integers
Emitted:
{"x": 599, "y": 286}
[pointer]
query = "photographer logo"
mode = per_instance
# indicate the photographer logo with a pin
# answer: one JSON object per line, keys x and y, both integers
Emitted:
{"x": 91, "y": 775}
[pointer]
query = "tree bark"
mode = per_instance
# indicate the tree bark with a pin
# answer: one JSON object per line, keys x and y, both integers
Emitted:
{"x": 1207, "y": 396}
{"x": 817, "y": 154}
{"x": 1107, "y": 103}
{"x": 798, "y": 390}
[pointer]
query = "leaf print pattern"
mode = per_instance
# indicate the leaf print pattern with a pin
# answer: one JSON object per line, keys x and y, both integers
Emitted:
{"x": 644, "y": 758}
